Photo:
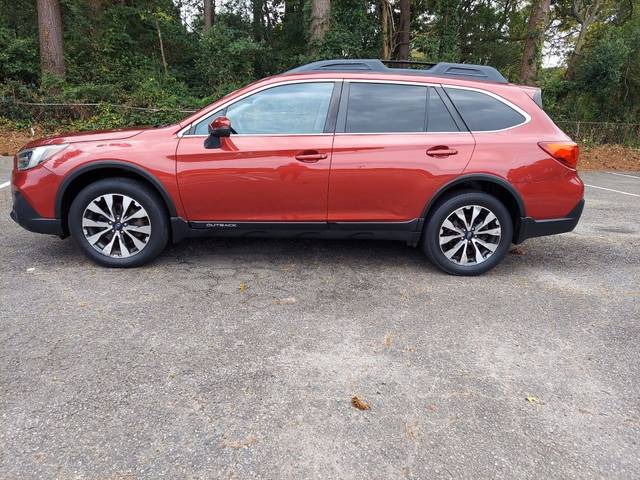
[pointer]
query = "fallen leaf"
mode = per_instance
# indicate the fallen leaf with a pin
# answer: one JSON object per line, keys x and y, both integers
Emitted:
{"x": 516, "y": 251}
{"x": 409, "y": 432}
{"x": 388, "y": 340}
{"x": 431, "y": 407}
{"x": 242, "y": 287}
{"x": 533, "y": 399}
{"x": 359, "y": 404}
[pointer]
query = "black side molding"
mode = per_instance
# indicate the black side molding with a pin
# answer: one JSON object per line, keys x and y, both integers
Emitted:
{"x": 530, "y": 228}
{"x": 405, "y": 231}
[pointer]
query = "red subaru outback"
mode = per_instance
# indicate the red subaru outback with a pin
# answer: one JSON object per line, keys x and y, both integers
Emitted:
{"x": 452, "y": 158}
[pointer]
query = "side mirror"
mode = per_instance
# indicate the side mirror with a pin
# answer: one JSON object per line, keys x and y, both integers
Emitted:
{"x": 218, "y": 128}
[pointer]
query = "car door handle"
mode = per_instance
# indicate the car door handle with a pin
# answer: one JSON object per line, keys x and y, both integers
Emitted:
{"x": 441, "y": 151}
{"x": 310, "y": 156}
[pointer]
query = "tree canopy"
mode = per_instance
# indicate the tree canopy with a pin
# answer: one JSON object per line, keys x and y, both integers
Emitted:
{"x": 174, "y": 54}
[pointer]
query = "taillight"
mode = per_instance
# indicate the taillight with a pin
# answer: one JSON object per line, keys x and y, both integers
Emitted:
{"x": 565, "y": 152}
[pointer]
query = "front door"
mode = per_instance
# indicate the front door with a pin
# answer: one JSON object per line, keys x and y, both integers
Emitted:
{"x": 275, "y": 168}
{"x": 395, "y": 146}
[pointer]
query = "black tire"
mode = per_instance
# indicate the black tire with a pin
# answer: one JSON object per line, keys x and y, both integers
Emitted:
{"x": 447, "y": 207}
{"x": 143, "y": 196}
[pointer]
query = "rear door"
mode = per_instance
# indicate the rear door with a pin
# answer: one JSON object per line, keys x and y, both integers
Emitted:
{"x": 396, "y": 144}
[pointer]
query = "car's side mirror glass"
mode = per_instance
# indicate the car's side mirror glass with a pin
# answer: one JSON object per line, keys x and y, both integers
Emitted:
{"x": 218, "y": 128}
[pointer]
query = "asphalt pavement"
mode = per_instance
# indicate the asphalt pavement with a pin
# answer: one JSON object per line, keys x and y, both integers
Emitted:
{"x": 239, "y": 358}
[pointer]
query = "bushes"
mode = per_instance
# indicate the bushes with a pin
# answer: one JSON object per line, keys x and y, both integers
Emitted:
{"x": 113, "y": 55}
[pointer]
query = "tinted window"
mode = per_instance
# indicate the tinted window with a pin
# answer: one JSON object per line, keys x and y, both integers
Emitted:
{"x": 483, "y": 112}
{"x": 439, "y": 118}
{"x": 379, "y": 107}
{"x": 288, "y": 109}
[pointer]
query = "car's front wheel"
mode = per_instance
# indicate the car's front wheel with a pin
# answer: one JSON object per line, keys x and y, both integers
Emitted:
{"x": 468, "y": 233}
{"x": 118, "y": 222}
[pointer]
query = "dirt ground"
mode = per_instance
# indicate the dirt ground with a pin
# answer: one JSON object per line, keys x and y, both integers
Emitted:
{"x": 12, "y": 140}
{"x": 609, "y": 157}
{"x": 602, "y": 157}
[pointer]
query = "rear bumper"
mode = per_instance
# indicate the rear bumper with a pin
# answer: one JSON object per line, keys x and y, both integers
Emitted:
{"x": 530, "y": 228}
{"x": 25, "y": 215}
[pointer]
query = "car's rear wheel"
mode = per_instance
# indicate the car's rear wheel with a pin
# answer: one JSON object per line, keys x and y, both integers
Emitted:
{"x": 118, "y": 222}
{"x": 468, "y": 233}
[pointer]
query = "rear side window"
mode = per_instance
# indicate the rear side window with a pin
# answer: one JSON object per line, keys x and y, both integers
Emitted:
{"x": 386, "y": 108}
{"x": 482, "y": 112}
{"x": 439, "y": 118}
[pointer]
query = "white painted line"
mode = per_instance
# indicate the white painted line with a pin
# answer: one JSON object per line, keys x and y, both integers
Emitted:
{"x": 612, "y": 190}
{"x": 623, "y": 175}
{"x": 5, "y": 184}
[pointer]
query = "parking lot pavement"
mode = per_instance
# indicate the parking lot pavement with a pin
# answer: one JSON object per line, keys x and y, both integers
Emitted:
{"x": 238, "y": 358}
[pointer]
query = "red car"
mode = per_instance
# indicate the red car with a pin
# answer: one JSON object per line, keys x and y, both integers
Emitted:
{"x": 452, "y": 158}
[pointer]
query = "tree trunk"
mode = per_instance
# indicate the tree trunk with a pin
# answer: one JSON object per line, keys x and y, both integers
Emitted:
{"x": 534, "y": 41}
{"x": 164, "y": 59}
{"x": 50, "y": 35}
{"x": 257, "y": 20}
{"x": 404, "y": 30}
{"x": 586, "y": 15}
{"x": 320, "y": 20}
{"x": 386, "y": 31}
{"x": 209, "y": 14}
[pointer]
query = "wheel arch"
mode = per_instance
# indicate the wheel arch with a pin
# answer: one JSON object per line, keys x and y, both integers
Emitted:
{"x": 491, "y": 184}
{"x": 83, "y": 176}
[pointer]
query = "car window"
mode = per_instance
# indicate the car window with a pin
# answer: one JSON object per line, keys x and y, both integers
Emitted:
{"x": 202, "y": 127}
{"x": 382, "y": 107}
{"x": 299, "y": 108}
{"x": 287, "y": 109}
{"x": 482, "y": 112}
{"x": 439, "y": 119}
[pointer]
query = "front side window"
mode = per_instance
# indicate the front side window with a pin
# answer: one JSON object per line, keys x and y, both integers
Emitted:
{"x": 482, "y": 112}
{"x": 299, "y": 108}
{"x": 386, "y": 108}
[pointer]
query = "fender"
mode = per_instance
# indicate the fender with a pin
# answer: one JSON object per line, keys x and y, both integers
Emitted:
{"x": 483, "y": 177}
{"x": 68, "y": 180}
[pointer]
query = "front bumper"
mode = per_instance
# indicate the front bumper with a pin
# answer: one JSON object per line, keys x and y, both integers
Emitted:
{"x": 25, "y": 215}
{"x": 530, "y": 228}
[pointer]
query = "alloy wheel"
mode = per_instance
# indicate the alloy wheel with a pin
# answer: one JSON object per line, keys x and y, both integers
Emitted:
{"x": 116, "y": 225}
{"x": 470, "y": 235}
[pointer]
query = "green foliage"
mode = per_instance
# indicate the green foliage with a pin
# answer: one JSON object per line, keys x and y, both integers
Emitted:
{"x": 354, "y": 33}
{"x": 18, "y": 56}
{"x": 113, "y": 55}
{"x": 447, "y": 29}
{"x": 226, "y": 60}
{"x": 606, "y": 87}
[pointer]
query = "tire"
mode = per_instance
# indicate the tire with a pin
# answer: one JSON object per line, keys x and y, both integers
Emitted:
{"x": 98, "y": 226}
{"x": 479, "y": 252}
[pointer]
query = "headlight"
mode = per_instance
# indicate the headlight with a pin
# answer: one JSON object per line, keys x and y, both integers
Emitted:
{"x": 32, "y": 157}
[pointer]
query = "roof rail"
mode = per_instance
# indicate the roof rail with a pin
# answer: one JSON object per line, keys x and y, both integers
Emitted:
{"x": 442, "y": 69}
